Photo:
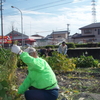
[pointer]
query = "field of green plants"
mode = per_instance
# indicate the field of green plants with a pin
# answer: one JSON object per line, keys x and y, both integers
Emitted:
{"x": 65, "y": 68}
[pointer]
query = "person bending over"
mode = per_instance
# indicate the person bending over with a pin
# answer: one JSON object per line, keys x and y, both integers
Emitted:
{"x": 41, "y": 82}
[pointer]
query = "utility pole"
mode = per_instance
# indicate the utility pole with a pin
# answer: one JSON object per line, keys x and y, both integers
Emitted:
{"x": 1, "y": 24}
{"x": 1, "y": 2}
{"x": 21, "y": 21}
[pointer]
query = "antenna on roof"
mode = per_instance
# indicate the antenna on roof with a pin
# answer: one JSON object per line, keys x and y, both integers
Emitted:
{"x": 93, "y": 11}
{"x": 68, "y": 31}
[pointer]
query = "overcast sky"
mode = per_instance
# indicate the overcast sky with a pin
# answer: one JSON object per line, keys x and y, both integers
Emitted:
{"x": 44, "y": 16}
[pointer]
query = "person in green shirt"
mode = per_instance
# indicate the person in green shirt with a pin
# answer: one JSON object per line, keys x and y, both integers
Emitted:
{"x": 41, "y": 82}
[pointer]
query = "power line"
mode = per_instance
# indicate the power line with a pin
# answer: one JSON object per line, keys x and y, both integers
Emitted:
{"x": 52, "y": 6}
{"x": 46, "y": 4}
{"x": 48, "y": 31}
{"x": 39, "y": 7}
{"x": 50, "y": 3}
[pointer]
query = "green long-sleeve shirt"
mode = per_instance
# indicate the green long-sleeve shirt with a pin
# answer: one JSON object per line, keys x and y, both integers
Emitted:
{"x": 40, "y": 74}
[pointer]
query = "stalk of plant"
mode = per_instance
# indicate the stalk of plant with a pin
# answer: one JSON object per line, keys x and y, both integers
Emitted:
{"x": 8, "y": 76}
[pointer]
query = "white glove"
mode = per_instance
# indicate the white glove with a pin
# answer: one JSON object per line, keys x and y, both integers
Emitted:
{"x": 15, "y": 49}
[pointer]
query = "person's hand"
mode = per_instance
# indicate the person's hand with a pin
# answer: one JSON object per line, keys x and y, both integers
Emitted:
{"x": 16, "y": 49}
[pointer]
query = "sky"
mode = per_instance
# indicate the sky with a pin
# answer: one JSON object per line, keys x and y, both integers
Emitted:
{"x": 44, "y": 16}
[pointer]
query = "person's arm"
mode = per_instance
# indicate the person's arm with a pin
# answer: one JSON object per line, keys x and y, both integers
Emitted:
{"x": 59, "y": 49}
{"x": 24, "y": 86}
{"x": 25, "y": 57}
{"x": 65, "y": 52}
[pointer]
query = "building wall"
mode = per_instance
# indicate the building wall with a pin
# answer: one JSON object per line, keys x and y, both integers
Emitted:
{"x": 92, "y": 31}
{"x": 59, "y": 35}
{"x": 76, "y": 40}
{"x": 97, "y": 35}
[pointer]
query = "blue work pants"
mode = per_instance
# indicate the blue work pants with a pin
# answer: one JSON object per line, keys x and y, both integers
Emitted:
{"x": 41, "y": 94}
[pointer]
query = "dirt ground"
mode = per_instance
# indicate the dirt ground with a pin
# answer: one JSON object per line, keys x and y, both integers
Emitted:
{"x": 82, "y": 85}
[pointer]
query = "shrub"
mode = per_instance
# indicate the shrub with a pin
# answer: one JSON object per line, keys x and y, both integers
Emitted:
{"x": 49, "y": 46}
{"x": 86, "y": 61}
{"x": 60, "y": 62}
{"x": 71, "y": 45}
{"x": 92, "y": 44}
{"x": 81, "y": 45}
{"x": 20, "y": 63}
{"x": 8, "y": 78}
{"x": 5, "y": 53}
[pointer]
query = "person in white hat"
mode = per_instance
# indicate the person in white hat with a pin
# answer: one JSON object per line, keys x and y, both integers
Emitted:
{"x": 41, "y": 82}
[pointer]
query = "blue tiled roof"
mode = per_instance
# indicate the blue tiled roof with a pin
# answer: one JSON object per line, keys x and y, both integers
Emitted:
{"x": 93, "y": 25}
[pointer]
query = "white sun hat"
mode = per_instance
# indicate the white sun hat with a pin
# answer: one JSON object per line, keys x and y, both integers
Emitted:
{"x": 30, "y": 49}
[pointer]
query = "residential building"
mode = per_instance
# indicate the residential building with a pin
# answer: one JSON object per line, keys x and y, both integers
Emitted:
{"x": 22, "y": 38}
{"x": 89, "y": 33}
{"x": 59, "y": 34}
{"x": 57, "y": 37}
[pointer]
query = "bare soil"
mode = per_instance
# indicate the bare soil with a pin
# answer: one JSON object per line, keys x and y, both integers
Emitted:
{"x": 81, "y": 82}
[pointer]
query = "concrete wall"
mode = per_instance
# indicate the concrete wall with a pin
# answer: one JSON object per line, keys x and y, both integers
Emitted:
{"x": 59, "y": 35}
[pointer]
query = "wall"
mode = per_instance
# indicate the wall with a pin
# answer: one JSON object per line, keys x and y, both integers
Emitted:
{"x": 57, "y": 35}
{"x": 95, "y": 52}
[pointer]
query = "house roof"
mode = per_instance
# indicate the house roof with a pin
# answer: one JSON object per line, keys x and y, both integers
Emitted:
{"x": 59, "y": 32}
{"x": 83, "y": 36}
{"x": 36, "y": 35}
{"x": 15, "y": 33}
{"x": 93, "y": 25}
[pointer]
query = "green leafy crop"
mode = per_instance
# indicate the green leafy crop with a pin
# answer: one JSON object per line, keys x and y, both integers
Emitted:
{"x": 60, "y": 62}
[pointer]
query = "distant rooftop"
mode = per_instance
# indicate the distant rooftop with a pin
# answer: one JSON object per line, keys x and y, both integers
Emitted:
{"x": 36, "y": 35}
{"x": 77, "y": 35}
{"x": 93, "y": 25}
{"x": 59, "y": 32}
{"x": 15, "y": 33}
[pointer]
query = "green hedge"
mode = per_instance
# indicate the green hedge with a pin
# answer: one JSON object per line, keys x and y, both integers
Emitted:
{"x": 88, "y": 45}
{"x": 86, "y": 62}
{"x": 73, "y": 45}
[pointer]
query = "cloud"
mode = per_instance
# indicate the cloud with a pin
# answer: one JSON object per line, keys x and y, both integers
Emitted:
{"x": 35, "y": 12}
{"x": 40, "y": 21}
{"x": 77, "y": 12}
{"x": 75, "y": 1}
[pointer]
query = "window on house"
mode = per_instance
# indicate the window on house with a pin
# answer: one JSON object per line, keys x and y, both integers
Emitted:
{"x": 59, "y": 36}
{"x": 88, "y": 31}
{"x": 95, "y": 29}
{"x": 98, "y": 31}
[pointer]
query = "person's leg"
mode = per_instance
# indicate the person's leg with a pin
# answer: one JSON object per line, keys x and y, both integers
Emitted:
{"x": 41, "y": 94}
{"x": 34, "y": 95}
{"x": 51, "y": 94}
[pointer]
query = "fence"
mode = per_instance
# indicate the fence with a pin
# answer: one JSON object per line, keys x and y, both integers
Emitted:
{"x": 95, "y": 52}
